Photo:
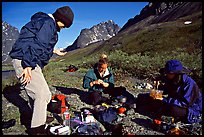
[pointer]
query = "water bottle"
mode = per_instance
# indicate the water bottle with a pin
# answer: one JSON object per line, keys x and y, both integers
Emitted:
{"x": 66, "y": 117}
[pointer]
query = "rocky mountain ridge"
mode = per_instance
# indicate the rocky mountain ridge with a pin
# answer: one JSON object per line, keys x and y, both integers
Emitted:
{"x": 157, "y": 12}
{"x": 9, "y": 36}
{"x": 98, "y": 33}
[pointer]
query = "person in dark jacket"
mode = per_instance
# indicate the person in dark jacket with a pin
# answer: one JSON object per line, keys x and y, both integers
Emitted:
{"x": 31, "y": 52}
{"x": 184, "y": 100}
{"x": 99, "y": 80}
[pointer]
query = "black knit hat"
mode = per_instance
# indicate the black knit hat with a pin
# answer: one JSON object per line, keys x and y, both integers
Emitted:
{"x": 65, "y": 15}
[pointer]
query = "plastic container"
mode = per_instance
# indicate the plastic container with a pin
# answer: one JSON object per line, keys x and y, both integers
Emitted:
{"x": 63, "y": 130}
{"x": 66, "y": 117}
{"x": 89, "y": 119}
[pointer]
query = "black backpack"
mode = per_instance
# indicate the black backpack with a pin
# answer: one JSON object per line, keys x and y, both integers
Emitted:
{"x": 108, "y": 115}
{"x": 89, "y": 129}
{"x": 57, "y": 104}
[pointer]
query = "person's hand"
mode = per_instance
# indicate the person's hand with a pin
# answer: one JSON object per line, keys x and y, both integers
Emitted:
{"x": 95, "y": 82}
{"x": 159, "y": 98}
{"x": 105, "y": 84}
{"x": 26, "y": 74}
{"x": 59, "y": 52}
{"x": 100, "y": 81}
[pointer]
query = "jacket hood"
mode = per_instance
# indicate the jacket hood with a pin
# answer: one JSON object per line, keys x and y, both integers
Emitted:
{"x": 39, "y": 15}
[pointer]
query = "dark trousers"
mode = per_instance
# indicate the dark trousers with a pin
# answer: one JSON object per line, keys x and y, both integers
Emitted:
{"x": 96, "y": 97}
{"x": 147, "y": 104}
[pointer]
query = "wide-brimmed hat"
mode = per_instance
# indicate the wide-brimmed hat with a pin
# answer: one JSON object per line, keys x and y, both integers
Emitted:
{"x": 175, "y": 66}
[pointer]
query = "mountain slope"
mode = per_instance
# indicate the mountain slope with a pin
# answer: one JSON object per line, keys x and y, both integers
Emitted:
{"x": 148, "y": 35}
{"x": 97, "y": 33}
{"x": 164, "y": 11}
{"x": 9, "y": 36}
{"x": 160, "y": 37}
{"x": 143, "y": 48}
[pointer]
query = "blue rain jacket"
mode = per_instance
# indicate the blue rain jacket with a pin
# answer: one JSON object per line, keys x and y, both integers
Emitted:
{"x": 36, "y": 41}
{"x": 187, "y": 95}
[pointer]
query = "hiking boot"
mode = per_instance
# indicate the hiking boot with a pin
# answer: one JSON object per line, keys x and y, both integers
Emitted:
{"x": 49, "y": 119}
{"x": 40, "y": 130}
{"x": 8, "y": 124}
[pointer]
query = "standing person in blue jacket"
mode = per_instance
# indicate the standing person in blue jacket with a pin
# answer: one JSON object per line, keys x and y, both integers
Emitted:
{"x": 31, "y": 52}
{"x": 184, "y": 100}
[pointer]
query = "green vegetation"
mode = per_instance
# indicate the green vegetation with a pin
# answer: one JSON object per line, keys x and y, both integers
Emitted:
{"x": 137, "y": 54}
{"x": 141, "y": 54}
{"x": 136, "y": 65}
{"x": 7, "y": 67}
{"x": 56, "y": 75}
{"x": 158, "y": 38}
{"x": 9, "y": 82}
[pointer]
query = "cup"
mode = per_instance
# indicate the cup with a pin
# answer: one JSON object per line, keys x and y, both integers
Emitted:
{"x": 159, "y": 93}
{"x": 154, "y": 93}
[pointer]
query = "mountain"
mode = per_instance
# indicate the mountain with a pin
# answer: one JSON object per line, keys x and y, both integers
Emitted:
{"x": 98, "y": 33}
{"x": 9, "y": 36}
{"x": 143, "y": 46}
{"x": 158, "y": 12}
{"x": 158, "y": 28}
{"x": 135, "y": 55}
